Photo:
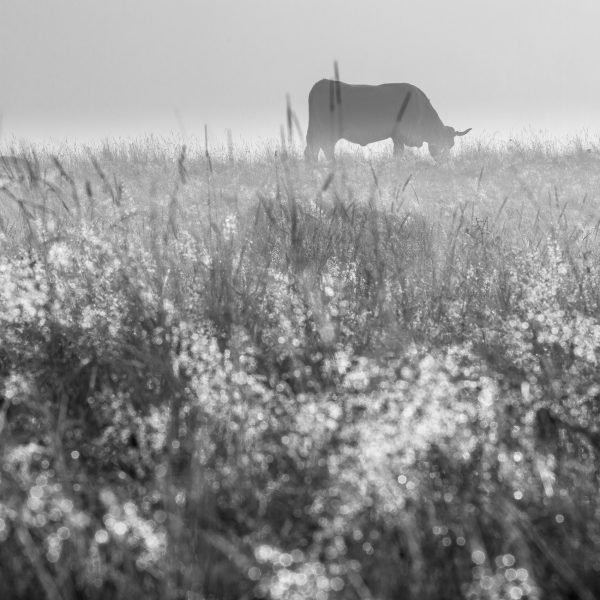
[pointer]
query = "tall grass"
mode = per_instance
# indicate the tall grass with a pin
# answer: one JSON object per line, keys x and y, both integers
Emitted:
{"x": 241, "y": 376}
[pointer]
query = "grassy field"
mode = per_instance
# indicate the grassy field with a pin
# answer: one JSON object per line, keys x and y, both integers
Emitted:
{"x": 235, "y": 375}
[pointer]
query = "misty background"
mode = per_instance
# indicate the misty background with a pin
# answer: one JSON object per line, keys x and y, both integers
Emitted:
{"x": 85, "y": 70}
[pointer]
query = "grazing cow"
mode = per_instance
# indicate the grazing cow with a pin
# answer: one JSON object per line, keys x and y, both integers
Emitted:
{"x": 363, "y": 114}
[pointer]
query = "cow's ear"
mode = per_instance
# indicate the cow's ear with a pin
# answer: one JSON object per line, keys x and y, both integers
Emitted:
{"x": 460, "y": 133}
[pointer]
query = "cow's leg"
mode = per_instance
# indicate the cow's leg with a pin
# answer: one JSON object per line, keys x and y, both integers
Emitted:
{"x": 398, "y": 148}
{"x": 314, "y": 141}
{"x": 328, "y": 149}
{"x": 311, "y": 152}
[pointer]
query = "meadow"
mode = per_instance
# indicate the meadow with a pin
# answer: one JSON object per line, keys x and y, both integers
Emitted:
{"x": 232, "y": 375}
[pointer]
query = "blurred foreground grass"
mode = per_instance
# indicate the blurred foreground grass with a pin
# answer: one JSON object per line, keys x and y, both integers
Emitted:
{"x": 240, "y": 376}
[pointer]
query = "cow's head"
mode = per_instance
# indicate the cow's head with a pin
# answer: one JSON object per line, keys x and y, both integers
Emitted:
{"x": 444, "y": 143}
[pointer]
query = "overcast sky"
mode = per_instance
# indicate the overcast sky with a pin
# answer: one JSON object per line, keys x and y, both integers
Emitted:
{"x": 94, "y": 68}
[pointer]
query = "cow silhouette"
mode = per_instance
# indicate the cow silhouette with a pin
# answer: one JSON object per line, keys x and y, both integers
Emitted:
{"x": 363, "y": 114}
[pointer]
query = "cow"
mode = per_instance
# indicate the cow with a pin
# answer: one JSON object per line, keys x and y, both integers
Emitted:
{"x": 363, "y": 114}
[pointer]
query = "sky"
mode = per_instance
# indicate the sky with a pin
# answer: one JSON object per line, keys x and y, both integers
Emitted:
{"x": 89, "y": 69}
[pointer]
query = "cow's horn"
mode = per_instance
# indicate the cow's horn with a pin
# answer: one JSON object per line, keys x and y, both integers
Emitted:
{"x": 462, "y": 132}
